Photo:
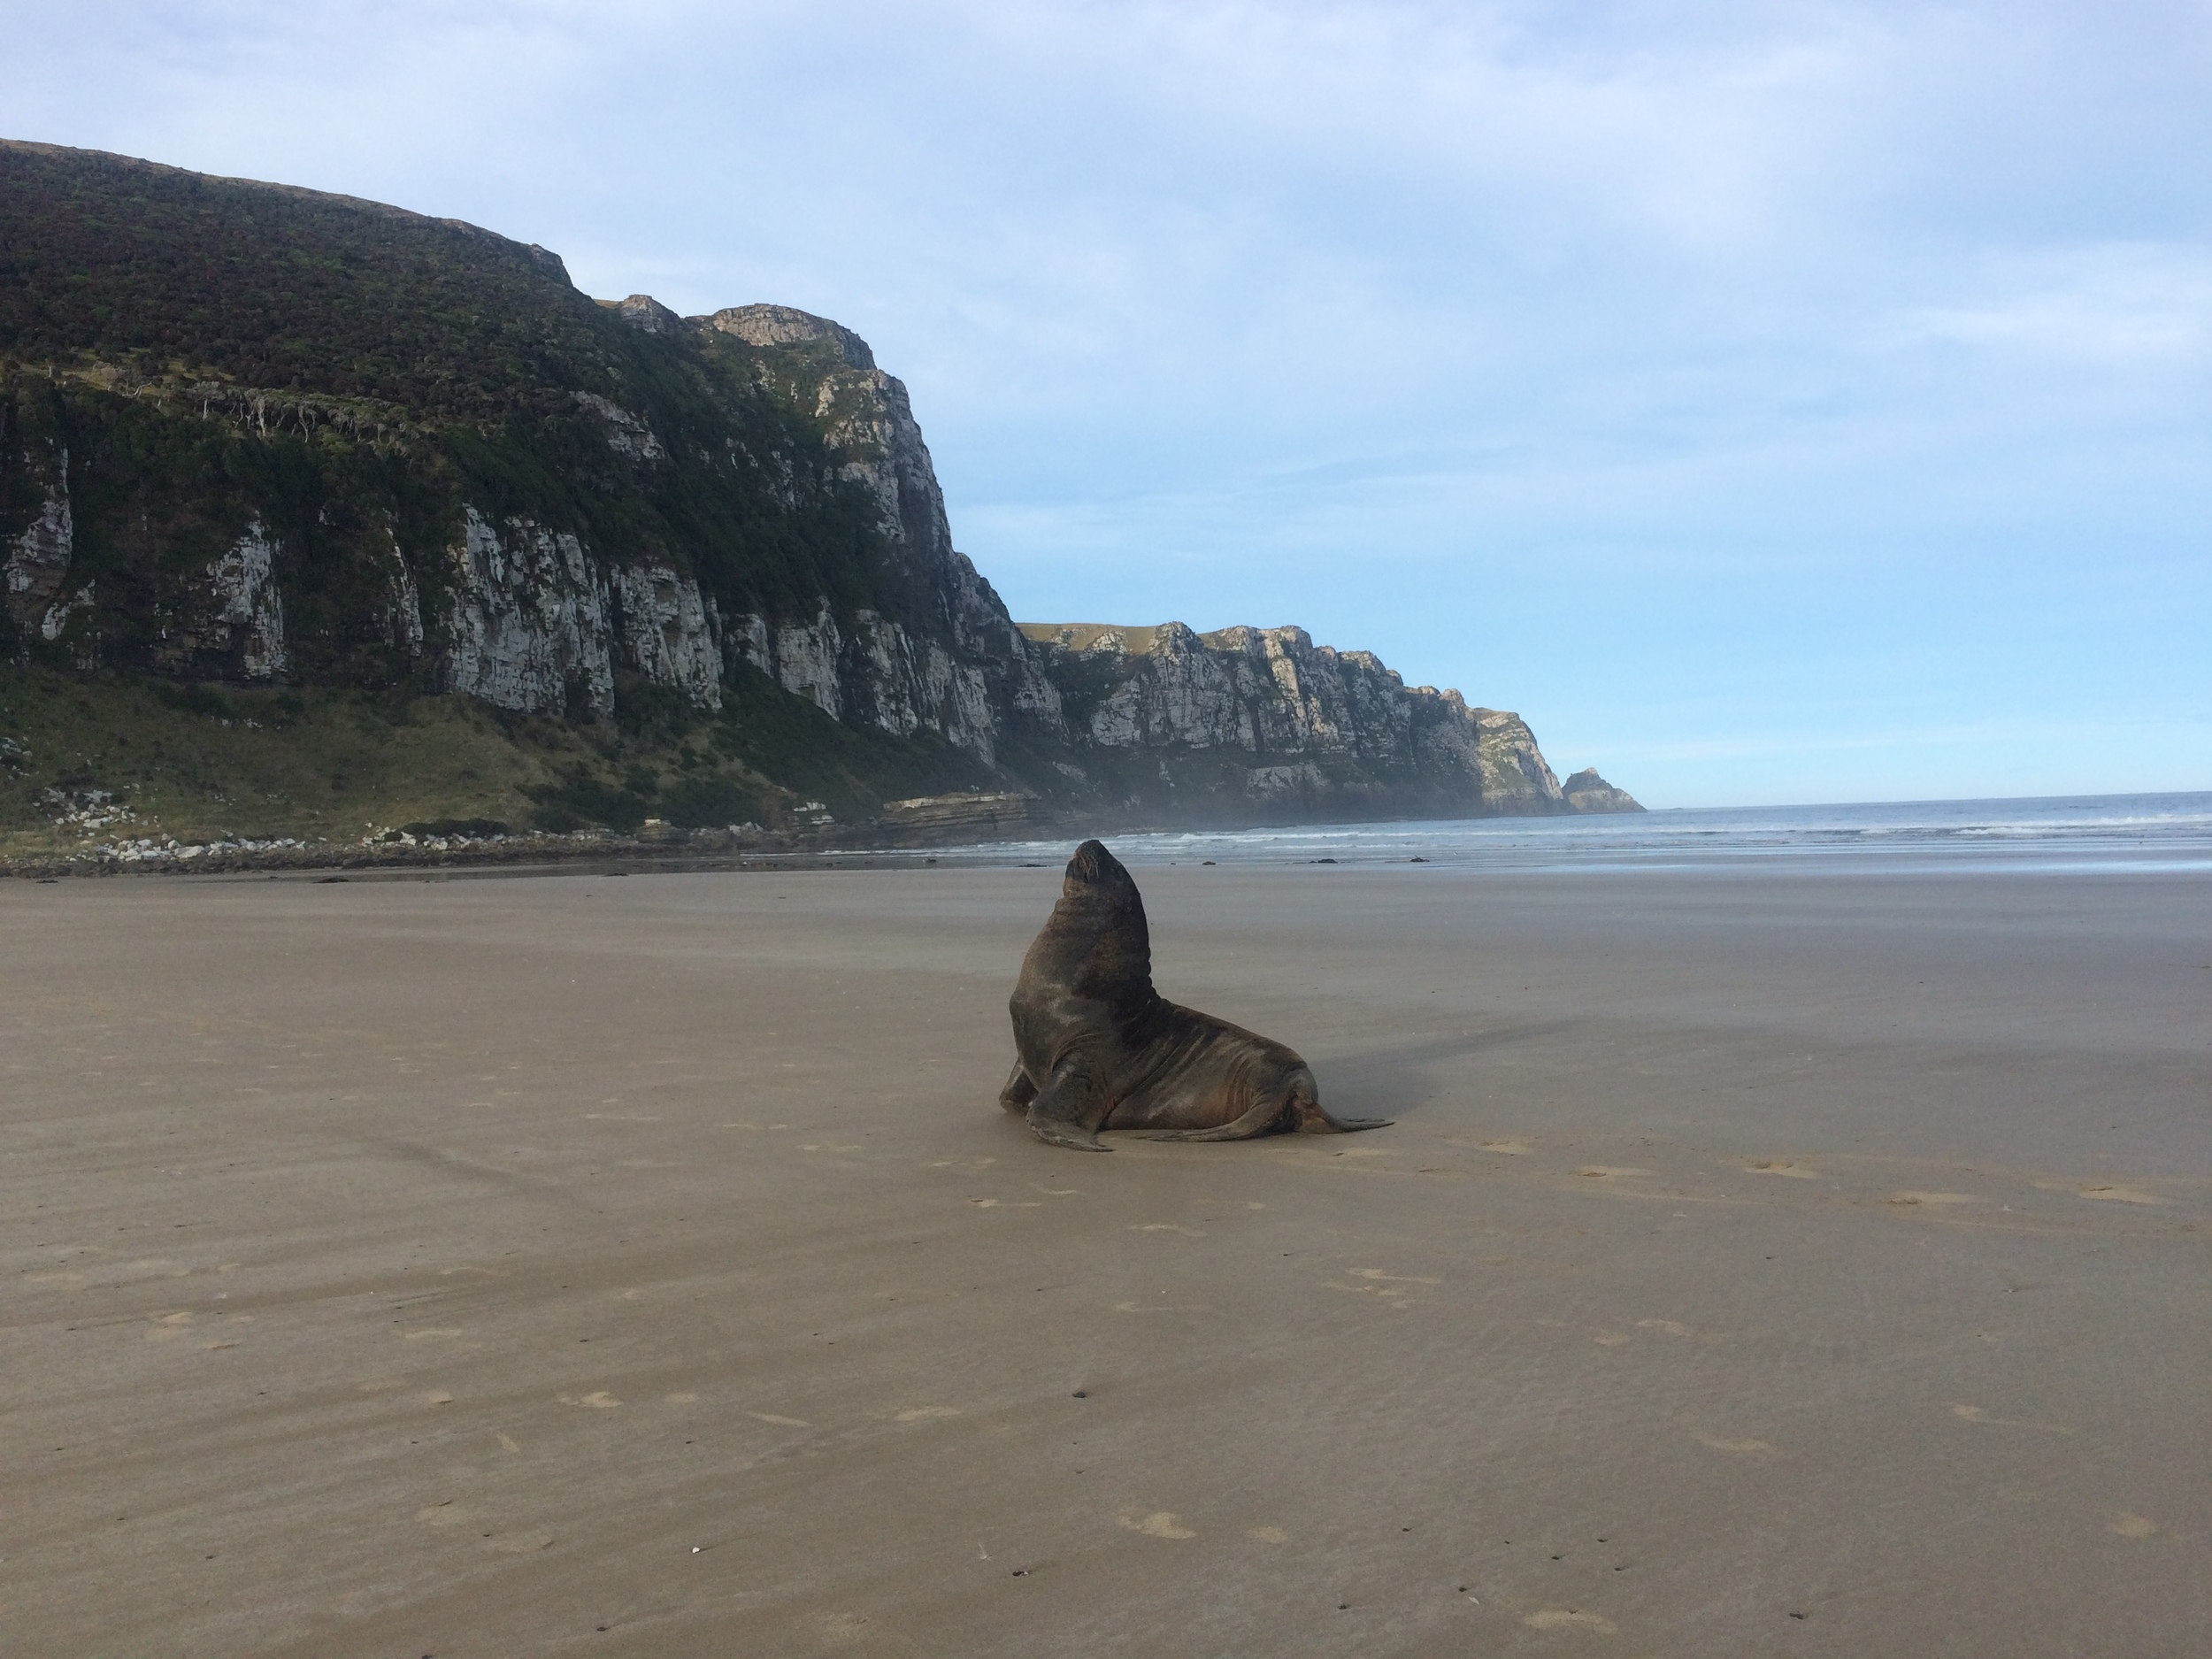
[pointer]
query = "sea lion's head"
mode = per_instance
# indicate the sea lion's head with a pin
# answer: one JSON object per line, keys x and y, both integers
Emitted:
{"x": 1101, "y": 918}
{"x": 1095, "y": 874}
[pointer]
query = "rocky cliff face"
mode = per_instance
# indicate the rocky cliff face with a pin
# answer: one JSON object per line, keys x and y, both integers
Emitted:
{"x": 1249, "y": 722}
{"x": 938, "y": 652}
{"x": 417, "y": 458}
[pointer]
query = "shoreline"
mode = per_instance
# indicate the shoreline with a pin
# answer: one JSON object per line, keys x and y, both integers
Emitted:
{"x": 2170, "y": 833}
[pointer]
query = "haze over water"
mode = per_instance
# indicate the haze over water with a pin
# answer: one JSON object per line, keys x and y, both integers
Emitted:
{"x": 2114, "y": 833}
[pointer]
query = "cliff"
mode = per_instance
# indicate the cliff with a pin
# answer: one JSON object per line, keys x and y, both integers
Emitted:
{"x": 280, "y": 457}
{"x": 1249, "y": 724}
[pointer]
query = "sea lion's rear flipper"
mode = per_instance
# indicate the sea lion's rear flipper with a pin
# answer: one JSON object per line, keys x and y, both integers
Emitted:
{"x": 1019, "y": 1090}
{"x": 1315, "y": 1119}
{"x": 1067, "y": 1112}
{"x": 1258, "y": 1121}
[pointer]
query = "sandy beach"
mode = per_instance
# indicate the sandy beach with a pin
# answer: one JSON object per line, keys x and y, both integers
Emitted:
{"x": 1760, "y": 1264}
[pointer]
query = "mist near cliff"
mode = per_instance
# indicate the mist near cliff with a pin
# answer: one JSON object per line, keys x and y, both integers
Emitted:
{"x": 1778, "y": 402}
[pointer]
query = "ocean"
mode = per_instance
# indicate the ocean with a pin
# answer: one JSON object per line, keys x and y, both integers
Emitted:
{"x": 2115, "y": 834}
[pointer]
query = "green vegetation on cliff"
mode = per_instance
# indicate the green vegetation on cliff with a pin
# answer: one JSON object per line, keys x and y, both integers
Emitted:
{"x": 211, "y": 350}
{"x": 206, "y": 762}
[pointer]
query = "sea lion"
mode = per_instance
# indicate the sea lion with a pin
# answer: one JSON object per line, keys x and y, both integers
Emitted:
{"x": 1097, "y": 1047}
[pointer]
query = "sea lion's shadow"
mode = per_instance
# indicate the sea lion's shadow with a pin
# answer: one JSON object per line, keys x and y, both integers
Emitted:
{"x": 1400, "y": 1080}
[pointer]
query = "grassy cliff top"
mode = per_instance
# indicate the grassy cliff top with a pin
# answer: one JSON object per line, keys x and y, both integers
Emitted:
{"x": 179, "y": 274}
{"x": 1085, "y": 636}
{"x": 133, "y": 294}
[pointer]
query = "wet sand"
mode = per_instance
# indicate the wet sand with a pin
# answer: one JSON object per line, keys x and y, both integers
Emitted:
{"x": 1760, "y": 1264}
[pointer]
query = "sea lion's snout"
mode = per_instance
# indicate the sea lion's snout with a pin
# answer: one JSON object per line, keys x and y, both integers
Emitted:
{"x": 1093, "y": 866}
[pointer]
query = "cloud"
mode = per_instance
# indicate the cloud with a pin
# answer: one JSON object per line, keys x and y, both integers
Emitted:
{"x": 2126, "y": 306}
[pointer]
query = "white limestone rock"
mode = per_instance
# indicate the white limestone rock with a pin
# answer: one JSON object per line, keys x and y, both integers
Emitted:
{"x": 669, "y": 633}
{"x": 403, "y": 610}
{"x": 36, "y": 569}
{"x": 527, "y": 621}
{"x": 627, "y": 435}
{"x": 248, "y": 621}
{"x": 803, "y": 658}
{"x": 648, "y": 315}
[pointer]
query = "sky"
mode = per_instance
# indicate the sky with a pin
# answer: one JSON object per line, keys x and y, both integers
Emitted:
{"x": 1770, "y": 402}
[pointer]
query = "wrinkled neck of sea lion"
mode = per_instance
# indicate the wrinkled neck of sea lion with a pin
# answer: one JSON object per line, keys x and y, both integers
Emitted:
{"x": 1100, "y": 901}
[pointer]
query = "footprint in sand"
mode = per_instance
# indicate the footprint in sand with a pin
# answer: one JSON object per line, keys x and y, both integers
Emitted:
{"x": 508, "y": 1443}
{"x": 1166, "y": 1227}
{"x": 1935, "y": 1198}
{"x": 519, "y": 1543}
{"x": 1267, "y": 1535}
{"x": 601, "y": 1400}
{"x": 1571, "y": 1618}
{"x": 1606, "y": 1173}
{"x": 446, "y": 1513}
{"x": 1509, "y": 1148}
{"x": 684, "y": 1398}
{"x": 923, "y": 1414}
{"x": 168, "y": 1327}
{"x": 1780, "y": 1166}
{"x": 2120, "y": 1195}
{"x": 440, "y": 1334}
{"x": 781, "y": 1423}
{"x": 1159, "y": 1523}
{"x": 1742, "y": 1448}
{"x": 1386, "y": 1285}
{"x": 1669, "y": 1326}
{"x": 2131, "y": 1525}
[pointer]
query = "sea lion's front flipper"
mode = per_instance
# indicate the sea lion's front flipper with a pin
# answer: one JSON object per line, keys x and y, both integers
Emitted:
{"x": 1067, "y": 1113}
{"x": 1019, "y": 1090}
